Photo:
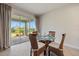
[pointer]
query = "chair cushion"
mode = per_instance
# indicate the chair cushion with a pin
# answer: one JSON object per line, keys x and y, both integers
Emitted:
{"x": 54, "y": 44}
{"x": 40, "y": 45}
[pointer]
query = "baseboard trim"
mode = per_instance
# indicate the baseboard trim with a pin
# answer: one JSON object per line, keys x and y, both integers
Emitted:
{"x": 71, "y": 46}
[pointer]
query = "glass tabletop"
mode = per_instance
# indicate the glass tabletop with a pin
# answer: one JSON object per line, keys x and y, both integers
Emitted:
{"x": 45, "y": 37}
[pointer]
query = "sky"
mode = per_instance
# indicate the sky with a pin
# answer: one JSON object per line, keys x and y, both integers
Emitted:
{"x": 21, "y": 24}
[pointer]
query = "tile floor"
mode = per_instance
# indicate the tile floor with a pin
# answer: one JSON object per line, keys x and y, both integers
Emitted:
{"x": 23, "y": 49}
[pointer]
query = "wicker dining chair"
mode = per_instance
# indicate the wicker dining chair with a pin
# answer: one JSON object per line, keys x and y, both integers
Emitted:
{"x": 36, "y": 47}
{"x": 57, "y": 48}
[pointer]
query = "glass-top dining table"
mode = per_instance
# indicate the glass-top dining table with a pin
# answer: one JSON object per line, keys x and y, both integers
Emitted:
{"x": 46, "y": 39}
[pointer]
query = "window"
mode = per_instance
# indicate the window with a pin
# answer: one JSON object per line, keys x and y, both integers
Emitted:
{"x": 17, "y": 28}
{"x": 32, "y": 26}
{"x": 22, "y": 27}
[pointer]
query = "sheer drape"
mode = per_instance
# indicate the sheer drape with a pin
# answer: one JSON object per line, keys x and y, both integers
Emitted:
{"x": 5, "y": 16}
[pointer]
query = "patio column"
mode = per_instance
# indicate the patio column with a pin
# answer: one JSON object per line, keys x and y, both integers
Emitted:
{"x": 37, "y": 23}
{"x": 26, "y": 30}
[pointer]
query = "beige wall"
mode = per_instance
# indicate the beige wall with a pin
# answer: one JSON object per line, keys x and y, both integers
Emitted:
{"x": 63, "y": 20}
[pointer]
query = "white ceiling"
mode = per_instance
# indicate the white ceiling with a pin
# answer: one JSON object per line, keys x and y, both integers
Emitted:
{"x": 38, "y": 8}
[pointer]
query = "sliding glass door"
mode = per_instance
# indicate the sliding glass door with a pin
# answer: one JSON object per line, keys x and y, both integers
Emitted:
{"x": 20, "y": 29}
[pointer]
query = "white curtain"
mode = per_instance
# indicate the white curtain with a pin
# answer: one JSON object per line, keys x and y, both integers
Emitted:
{"x": 5, "y": 17}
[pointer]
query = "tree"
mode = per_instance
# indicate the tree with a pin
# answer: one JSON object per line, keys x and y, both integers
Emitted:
{"x": 13, "y": 30}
